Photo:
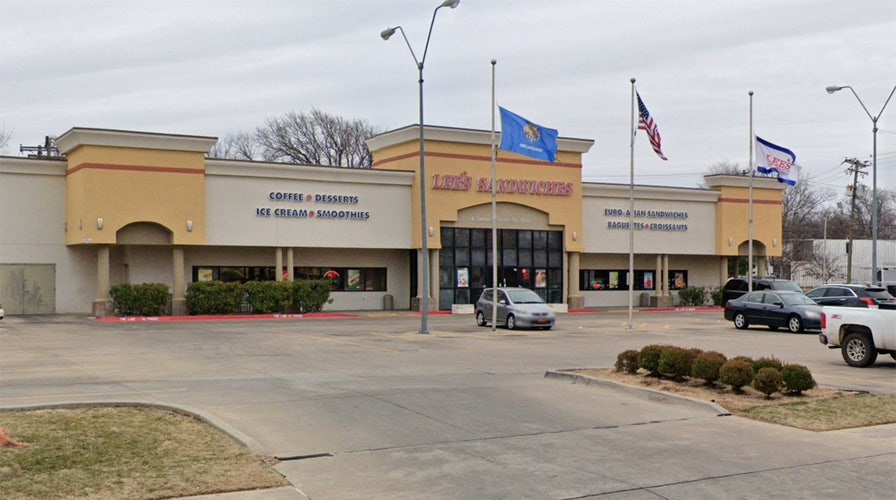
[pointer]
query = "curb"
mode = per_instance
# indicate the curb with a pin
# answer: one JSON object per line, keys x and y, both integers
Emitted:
{"x": 643, "y": 392}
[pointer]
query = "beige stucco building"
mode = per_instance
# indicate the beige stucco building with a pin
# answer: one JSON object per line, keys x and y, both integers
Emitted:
{"x": 139, "y": 207}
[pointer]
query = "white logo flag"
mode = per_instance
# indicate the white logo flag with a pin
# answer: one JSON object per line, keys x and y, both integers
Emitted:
{"x": 773, "y": 158}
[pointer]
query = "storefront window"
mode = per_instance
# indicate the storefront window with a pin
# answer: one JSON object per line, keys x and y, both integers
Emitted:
{"x": 370, "y": 279}
{"x": 526, "y": 260}
{"x": 616, "y": 279}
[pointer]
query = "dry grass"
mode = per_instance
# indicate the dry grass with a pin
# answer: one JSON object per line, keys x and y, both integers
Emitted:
{"x": 124, "y": 452}
{"x": 819, "y": 409}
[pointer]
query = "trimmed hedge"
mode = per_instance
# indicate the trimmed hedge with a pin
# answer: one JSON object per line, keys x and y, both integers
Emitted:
{"x": 737, "y": 374}
{"x": 649, "y": 358}
{"x": 767, "y": 362}
{"x": 214, "y": 297}
{"x": 692, "y": 296}
{"x": 768, "y": 381}
{"x": 267, "y": 297}
{"x": 707, "y": 365}
{"x": 676, "y": 361}
{"x": 797, "y": 378}
{"x": 310, "y": 295}
{"x": 144, "y": 299}
{"x": 627, "y": 361}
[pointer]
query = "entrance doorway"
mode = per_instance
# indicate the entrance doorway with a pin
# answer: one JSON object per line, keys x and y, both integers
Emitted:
{"x": 527, "y": 258}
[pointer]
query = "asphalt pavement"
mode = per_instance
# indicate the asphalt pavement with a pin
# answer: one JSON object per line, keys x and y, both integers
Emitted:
{"x": 363, "y": 406}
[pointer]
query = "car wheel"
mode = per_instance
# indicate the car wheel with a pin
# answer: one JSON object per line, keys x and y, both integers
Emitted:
{"x": 740, "y": 321}
{"x": 511, "y": 322}
{"x": 858, "y": 350}
{"x": 795, "y": 324}
{"x": 480, "y": 319}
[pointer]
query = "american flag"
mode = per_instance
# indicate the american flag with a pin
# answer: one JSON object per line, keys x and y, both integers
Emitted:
{"x": 646, "y": 123}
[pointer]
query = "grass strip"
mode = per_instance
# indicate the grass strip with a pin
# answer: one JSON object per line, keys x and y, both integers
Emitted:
{"x": 124, "y": 452}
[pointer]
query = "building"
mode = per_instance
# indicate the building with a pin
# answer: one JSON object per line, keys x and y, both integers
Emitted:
{"x": 140, "y": 207}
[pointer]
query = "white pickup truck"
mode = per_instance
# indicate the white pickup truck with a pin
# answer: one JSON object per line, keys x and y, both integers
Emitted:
{"x": 861, "y": 333}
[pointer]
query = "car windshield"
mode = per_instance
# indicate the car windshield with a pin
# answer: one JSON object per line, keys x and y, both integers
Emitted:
{"x": 787, "y": 285}
{"x": 796, "y": 300}
{"x": 524, "y": 297}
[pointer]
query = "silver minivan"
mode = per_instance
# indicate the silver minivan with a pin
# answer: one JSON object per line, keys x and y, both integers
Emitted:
{"x": 517, "y": 308}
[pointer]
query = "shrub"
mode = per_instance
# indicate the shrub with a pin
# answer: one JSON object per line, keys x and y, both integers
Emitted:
{"x": 144, "y": 299}
{"x": 736, "y": 373}
{"x": 767, "y": 362}
{"x": 742, "y": 358}
{"x": 676, "y": 361}
{"x": 627, "y": 361}
{"x": 716, "y": 296}
{"x": 706, "y": 366}
{"x": 269, "y": 296}
{"x": 797, "y": 378}
{"x": 214, "y": 297}
{"x": 310, "y": 295}
{"x": 692, "y": 296}
{"x": 649, "y": 358}
{"x": 768, "y": 380}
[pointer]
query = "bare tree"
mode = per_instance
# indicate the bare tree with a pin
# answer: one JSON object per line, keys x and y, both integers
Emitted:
{"x": 239, "y": 146}
{"x": 316, "y": 138}
{"x": 822, "y": 265}
{"x": 723, "y": 168}
{"x": 800, "y": 207}
{"x": 5, "y": 136}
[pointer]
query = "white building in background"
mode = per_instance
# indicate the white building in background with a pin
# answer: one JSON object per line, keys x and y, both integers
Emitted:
{"x": 837, "y": 256}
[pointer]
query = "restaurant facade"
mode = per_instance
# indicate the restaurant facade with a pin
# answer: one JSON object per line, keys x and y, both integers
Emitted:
{"x": 144, "y": 207}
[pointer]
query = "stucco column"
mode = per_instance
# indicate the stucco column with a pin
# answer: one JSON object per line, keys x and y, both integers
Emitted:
{"x": 278, "y": 264}
{"x": 665, "y": 275}
{"x": 723, "y": 270}
{"x": 658, "y": 277}
{"x": 290, "y": 272}
{"x": 178, "y": 292}
{"x": 434, "y": 280}
{"x": 761, "y": 266}
{"x": 102, "y": 306}
{"x": 417, "y": 300}
{"x": 575, "y": 299}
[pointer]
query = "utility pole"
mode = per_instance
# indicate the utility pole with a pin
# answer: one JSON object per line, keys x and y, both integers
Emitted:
{"x": 855, "y": 168}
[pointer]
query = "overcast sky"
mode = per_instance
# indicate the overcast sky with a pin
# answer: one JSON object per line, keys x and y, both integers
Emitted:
{"x": 214, "y": 67}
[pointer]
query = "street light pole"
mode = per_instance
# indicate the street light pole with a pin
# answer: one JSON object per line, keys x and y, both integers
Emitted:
{"x": 830, "y": 90}
{"x": 424, "y": 246}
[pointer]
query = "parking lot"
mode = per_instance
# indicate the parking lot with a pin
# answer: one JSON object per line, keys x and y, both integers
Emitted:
{"x": 363, "y": 406}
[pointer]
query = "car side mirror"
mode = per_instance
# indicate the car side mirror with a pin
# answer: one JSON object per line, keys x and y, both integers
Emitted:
{"x": 779, "y": 303}
{"x": 502, "y": 301}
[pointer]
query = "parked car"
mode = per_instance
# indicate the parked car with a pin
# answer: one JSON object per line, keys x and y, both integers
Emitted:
{"x": 852, "y": 296}
{"x": 517, "y": 308}
{"x": 860, "y": 334}
{"x": 2, "y": 313}
{"x": 736, "y": 287}
{"x": 775, "y": 309}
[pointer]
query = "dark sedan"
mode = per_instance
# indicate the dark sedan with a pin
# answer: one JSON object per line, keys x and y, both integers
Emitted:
{"x": 774, "y": 309}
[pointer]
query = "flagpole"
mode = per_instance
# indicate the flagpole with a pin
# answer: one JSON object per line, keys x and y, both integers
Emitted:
{"x": 494, "y": 215}
{"x": 752, "y": 169}
{"x": 631, "y": 211}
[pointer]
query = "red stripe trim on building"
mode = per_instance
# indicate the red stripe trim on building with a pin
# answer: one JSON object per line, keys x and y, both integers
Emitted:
{"x": 134, "y": 168}
{"x": 747, "y": 200}
{"x": 455, "y": 156}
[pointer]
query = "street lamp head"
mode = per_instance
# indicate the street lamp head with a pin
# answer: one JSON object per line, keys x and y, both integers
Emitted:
{"x": 833, "y": 88}
{"x": 450, "y": 3}
{"x": 388, "y": 32}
